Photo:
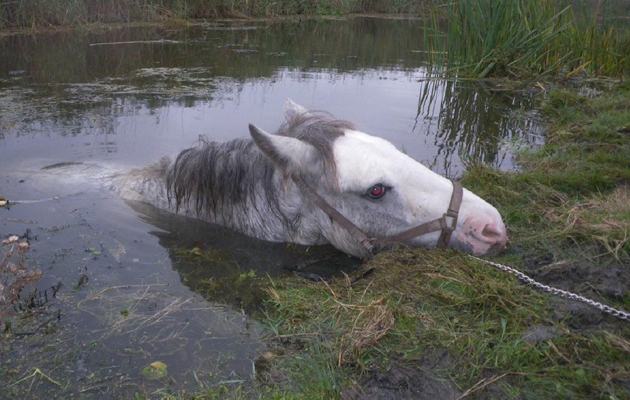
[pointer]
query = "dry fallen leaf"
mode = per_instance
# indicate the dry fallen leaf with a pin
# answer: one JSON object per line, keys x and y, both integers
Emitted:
{"x": 10, "y": 239}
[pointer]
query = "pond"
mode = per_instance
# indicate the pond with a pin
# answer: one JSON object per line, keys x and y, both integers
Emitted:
{"x": 139, "y": 285}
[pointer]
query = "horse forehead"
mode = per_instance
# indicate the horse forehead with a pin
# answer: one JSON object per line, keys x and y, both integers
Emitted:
{"x": 355, "y": 148}
{"x": 358, "y": 138}
{"x": 361, "y": 158}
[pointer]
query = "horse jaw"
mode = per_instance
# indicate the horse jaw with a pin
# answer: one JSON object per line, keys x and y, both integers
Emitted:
{"x": 417, "y": 195}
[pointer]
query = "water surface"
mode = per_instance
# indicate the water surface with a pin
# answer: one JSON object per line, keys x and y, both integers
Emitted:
{"x": 133, "y": 292}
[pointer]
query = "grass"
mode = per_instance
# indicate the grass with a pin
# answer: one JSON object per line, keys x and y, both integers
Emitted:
{"x": 440, "y": 302}
{"x": 522, "y": 38}
{"x": 36, "y": 14}
{"x": 569, "y": 203}
{"x": 575, "y": 189}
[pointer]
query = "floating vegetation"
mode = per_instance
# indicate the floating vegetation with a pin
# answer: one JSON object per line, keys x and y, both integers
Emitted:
{"x": 154, "y": 83}
{"x": 37, "y": 373}
{"x": 155, "y": 370}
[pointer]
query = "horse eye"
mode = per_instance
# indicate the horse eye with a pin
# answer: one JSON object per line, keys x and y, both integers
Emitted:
{"x": 377, "y": 191}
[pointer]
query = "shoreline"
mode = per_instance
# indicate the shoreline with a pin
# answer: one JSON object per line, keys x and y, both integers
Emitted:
{"x": 95, "y": 27}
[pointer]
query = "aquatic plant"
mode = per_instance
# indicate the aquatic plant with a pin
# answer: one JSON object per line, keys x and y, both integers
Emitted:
{"x": 482, "y": 38}
{"x": 15, "y": 274}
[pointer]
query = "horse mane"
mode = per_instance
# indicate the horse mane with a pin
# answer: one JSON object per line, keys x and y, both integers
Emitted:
{"x": 319, "y": 129}
{"x": 212, "y": 175}
{"x": 231, "y": 179}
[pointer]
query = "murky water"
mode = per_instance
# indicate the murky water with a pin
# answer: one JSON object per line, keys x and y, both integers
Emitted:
{"x": 133, "y": 291}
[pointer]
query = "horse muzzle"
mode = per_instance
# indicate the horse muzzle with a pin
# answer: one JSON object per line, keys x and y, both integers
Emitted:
{"x": 481, "y": 235}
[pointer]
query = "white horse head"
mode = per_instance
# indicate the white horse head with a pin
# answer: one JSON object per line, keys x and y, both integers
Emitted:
{"x": 377, "y": 187}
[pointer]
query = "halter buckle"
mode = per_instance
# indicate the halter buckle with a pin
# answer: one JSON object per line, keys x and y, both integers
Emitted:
{"x": 449, "y": 220}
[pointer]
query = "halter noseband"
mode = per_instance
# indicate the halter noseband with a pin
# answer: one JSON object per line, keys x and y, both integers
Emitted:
{"x": 446, "y": 223}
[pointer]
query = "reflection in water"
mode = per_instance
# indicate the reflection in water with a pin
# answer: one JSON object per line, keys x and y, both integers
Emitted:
{"x": 240, "y": 53}
{"x": 228, "y": 267}
{"x": 166, "y": 87}
{"x": 472, "y": 123}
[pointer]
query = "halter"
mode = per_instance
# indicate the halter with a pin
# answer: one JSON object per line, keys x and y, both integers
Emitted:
{"x": 446, "y": 223}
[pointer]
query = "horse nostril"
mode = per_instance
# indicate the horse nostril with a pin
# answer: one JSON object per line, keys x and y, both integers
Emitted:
{"x": 492, "y": 232}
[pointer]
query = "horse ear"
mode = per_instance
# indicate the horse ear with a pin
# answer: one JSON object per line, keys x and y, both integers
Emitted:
{"x": 286, "y": 152}
{"x": 292, "y": 109}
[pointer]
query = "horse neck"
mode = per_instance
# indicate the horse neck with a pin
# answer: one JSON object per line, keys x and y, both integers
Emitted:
{"x": 233, "y": 184}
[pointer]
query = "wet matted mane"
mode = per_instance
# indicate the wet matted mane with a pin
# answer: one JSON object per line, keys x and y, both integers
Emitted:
{"x": 224, "y": 179}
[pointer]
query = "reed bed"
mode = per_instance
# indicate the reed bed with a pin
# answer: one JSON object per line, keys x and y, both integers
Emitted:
{"x": 523, "y": 38}
{"x": 38, "y": 14}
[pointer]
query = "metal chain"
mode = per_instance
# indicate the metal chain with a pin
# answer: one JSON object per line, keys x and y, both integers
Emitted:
{"x": 621, "y": 314}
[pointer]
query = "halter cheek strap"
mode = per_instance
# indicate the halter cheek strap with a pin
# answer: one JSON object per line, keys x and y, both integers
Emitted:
{"x": 446, "y": 224}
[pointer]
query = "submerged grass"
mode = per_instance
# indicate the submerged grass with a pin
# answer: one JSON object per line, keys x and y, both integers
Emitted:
{"x": 495, "y": 337}
{"x": 523, "y": 38}
{"x": 227, "y": 283}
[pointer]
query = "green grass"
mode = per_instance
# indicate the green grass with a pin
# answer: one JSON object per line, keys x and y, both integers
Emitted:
{"x": 570, "y": 202}
{"x": 575, "y": 189}
{"x": 525, "y": 38}
{"x": 440, "y": 301}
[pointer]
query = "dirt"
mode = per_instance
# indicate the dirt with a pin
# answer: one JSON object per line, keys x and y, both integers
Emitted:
{"x": 593, "y": 281}
{"x": 405, "y": 380}
{"x": 600, "y": 282}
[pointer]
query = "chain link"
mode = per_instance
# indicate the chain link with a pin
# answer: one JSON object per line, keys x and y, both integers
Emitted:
{"x": 621, "y": 314}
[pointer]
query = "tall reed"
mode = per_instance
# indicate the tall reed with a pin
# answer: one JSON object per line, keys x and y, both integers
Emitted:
{"x": 482, "y": 38}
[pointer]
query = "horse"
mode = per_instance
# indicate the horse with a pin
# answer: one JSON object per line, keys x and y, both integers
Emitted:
{"x": 318, "y": 180}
